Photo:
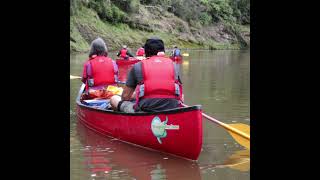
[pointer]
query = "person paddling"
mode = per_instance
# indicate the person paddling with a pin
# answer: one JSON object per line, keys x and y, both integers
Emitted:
{"x": 124, "y": 53}
{"x": 152, "y": 84}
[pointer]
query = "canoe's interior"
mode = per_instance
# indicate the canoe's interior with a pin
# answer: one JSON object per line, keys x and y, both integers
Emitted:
{"x": 169, "y": 111}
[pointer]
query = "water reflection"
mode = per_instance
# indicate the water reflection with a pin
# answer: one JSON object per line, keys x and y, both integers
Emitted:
{"x": 106, "y": 157}
{"x": 240, "y": 160}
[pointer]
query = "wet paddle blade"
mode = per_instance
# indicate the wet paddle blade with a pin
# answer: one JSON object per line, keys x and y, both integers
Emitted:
{"x": 185, "y": 54}
{"x": 239, "y": 160}
{"x": 240, "y": 139}
{"x": 75, "y": 77}
{"x": 240, "y": 132}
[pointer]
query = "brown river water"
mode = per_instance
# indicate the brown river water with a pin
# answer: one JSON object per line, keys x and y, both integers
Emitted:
{"x": 217, "y": 80}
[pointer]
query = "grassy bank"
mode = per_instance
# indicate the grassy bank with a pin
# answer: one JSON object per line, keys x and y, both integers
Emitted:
{"x": 86, "y": 25}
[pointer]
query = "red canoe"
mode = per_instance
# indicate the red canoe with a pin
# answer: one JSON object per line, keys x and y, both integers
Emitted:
{"x": 176, "y": 58}
{"x": 176, "y": 131}
{"x": 129, "y": 59}
{"x": 124, "y": 66}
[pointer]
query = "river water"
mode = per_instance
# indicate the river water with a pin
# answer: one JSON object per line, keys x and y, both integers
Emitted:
{"x": 219, "y": 81}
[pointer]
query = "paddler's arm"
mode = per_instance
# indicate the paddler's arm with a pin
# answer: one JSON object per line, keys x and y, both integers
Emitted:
{"x": 86, "y": 73}
{"x": 128, "y": 93}
{"x": 129, "y": 53}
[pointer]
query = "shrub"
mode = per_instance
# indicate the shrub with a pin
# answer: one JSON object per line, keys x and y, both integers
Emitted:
{"x": 107, "y": 11}
{"x": 205, "y": 18}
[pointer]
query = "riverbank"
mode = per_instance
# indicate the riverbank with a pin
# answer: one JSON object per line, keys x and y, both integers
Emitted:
{"x": 86, "y": 25}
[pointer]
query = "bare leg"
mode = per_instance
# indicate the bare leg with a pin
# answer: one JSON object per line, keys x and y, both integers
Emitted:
{"x": 114, "y": 101}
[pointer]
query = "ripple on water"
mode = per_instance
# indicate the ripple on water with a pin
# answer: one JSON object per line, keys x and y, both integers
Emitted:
{"x": 72, "y": 113}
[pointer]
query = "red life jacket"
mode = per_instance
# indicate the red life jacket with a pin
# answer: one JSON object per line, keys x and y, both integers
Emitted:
{"x": 123, "y": 53}
{"x": 102, "y": 70}
{"x": 140, "y": 52}
{"x": 158, "y": 80}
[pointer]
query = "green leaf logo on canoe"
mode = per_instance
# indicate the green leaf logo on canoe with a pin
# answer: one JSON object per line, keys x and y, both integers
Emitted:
{"x": 159, "y": 128}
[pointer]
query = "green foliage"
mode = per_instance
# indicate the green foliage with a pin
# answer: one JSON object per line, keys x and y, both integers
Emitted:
{"x": 204, "y": 11}
{"x": 129, "y": 6}
{"x": 205, "y": 18}
{"x": 117, "y": 14}
{"x": 157, "y": 2}
{"x": 74, "y": 6}
{"x": 241, "y": 11}
{"x": 114, "y": 18}
{"x": 236, "y": 30}
{"x": 219, "y": 9}
{"x": 107, "y": 11}
{"x": 229, "y": 10}
{"x": 77, "y": 43}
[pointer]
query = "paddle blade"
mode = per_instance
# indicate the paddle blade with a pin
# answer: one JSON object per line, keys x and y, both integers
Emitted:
{"x": 240, "y": 139}
{"x": 75, "y": 77}
{"x": 185, "y": 54}
{"x": 239, "y": 160}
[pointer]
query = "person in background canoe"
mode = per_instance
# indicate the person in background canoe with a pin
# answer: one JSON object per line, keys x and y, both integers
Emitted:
{"x": 140, "y": 51}
{"x": 124, "y": 53}
{"x": 99, "y": 70}
{"x": 176, "y": 52}
{"x": 152, "y": 84}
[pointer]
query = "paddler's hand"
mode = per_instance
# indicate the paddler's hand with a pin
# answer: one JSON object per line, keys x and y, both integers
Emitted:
{"x": 133, "y": 96}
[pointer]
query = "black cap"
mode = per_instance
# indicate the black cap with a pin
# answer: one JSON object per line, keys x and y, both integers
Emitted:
{"x": 153, "y": 46}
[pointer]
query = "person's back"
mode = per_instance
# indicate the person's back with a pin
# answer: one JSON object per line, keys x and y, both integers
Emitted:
{"x": 156, "y": 81}
{"x": 99, "y": 70}
{"x": 176, "y": 52}
{"x": 140, "y": 52}
{"x": 102, "y": 70}
{"x": 124, "y": 53}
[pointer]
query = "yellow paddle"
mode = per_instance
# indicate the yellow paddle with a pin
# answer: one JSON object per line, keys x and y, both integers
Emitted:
{"x": 240, "y": 132}
{"x": 75, "y": 77}
{"x": 185, "y": 54}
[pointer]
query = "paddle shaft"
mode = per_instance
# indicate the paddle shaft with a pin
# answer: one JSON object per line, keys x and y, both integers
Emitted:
{"x": 234, "y": 130}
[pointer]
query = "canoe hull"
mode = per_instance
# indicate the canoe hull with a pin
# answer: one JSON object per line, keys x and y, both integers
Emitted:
{"x": 177, "y": 132}
{"x": 177, "y": 59}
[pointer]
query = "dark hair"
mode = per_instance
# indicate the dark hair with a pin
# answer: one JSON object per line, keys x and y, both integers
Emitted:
{"x": 98, "y": 47}
{"x": 153, "y": 46}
